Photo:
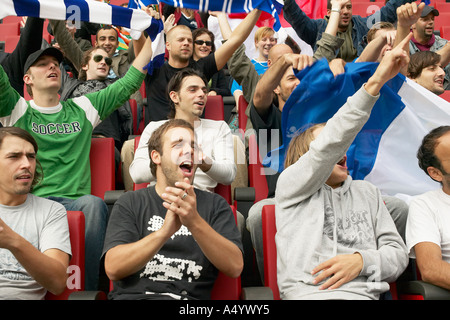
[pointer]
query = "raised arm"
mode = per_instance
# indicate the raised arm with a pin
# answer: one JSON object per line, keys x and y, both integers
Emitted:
{"x": 328, "y": 44}
{"x": 67, "y": 43}
{"x": 310, "y": 172}
{"x": 407, "y": 15}
{"x": 262, "y": 98}
{"x": 237, "y": 37}
{"x": 372, "y": 51}
{"x": 29, "y": 42}
{"x": 305, "y": 27}
{"x": 224, "y": 25}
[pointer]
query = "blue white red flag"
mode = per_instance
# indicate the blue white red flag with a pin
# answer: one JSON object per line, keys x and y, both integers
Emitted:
{"x": 384, "y": 152}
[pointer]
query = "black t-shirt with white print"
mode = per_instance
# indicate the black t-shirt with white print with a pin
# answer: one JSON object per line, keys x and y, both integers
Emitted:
{"x": 179, "y": 270}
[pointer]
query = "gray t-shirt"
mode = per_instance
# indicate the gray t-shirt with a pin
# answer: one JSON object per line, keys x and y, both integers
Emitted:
{"x": 44, "y": 224}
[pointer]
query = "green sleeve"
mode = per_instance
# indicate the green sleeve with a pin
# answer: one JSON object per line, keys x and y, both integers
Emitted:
{"x": 116, "y": 94}
{"x": 8, "y": 98}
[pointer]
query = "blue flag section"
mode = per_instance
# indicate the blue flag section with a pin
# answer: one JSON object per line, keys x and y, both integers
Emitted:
{"x": 384, "y": 151}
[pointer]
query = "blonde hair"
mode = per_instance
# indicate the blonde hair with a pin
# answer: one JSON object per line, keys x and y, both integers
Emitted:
{"x": 263, "y": 32}
{"x": 299, "y": 145}
{"x": 381, "y": 25}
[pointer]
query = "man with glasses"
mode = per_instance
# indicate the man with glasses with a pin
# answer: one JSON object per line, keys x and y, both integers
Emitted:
{"x": 106, "y": 38}
{"x": 94, "y": 71}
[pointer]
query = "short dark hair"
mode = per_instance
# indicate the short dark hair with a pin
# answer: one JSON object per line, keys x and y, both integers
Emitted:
{"x": 426, "y": 153}
{"x": 421, "y": 60}
{"x": 24, "y": 135}
{"x": 329, "y": 4}
{"x": 175, "y": 85}
{"x": 155, "y": 141}
{"x": 107, "y": 27}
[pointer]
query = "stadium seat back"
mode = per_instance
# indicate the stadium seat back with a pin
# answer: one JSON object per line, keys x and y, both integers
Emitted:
{"x": 102, "y": 166}
{"x": 76, "y": 268}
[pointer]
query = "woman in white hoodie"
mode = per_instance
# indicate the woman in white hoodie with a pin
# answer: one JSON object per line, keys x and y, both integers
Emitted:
{"x": 335, "y": 238}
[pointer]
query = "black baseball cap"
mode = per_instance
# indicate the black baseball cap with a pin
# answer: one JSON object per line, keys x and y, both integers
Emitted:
{"x": 427, "y": 10}
{"x": 50, "y": 51}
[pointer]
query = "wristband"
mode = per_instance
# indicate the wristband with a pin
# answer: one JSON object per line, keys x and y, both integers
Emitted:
{"x": 335, "y": 10}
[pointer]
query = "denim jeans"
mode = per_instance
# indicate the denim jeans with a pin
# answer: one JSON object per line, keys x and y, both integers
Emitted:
{"x": 96, "y": 216}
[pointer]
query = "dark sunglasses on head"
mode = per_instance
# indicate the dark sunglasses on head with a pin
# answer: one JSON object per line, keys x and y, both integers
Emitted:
{"x": 99, "y": 57}
{"x": 201, "y": 42}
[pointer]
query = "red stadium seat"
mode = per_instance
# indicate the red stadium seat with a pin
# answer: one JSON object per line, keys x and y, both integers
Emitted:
{"x": 9, "y": 29}
{"x": 224, "y": 191}
{"x": 134, "y": 112}
{"x": 442, "y": 20}
{"x": 11, "y": 43}
{"x": 226, "y": 288}
{"x": 142, "y": 90}
{"x": 256, "y": 177}
{"x": 446, "y": 95}
{"x": 76, "y": 265}
{"x": 442, "y": 7}
{"x": 270, "y": 249}
{"x": 117, "y": 2}
{"x": 242, "y": 117}
{"x": 102, "y": 166}
{"x": 365, "y": 8}
{"x": 214, "y": 108}
{"x": 12, "y": 19}
{"x": 445, "y": 32}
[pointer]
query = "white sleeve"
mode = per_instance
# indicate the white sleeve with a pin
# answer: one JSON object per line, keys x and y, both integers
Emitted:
{"x": 140, "y": 167}
{"x": 421, "y": 225}
{"x": 223, "y": 168}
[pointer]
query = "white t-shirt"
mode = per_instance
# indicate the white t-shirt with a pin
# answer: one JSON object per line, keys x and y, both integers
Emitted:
{"x": 429, "y": 221}
{"x": 44, "y": 224}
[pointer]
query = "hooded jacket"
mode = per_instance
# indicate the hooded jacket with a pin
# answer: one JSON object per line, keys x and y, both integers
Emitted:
{"x": 316, "y": 222}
